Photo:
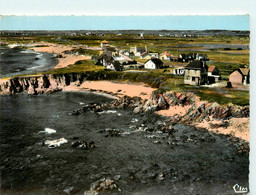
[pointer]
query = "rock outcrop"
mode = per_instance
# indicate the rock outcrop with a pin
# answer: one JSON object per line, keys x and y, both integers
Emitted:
{"x": 199, "y": 110}
{"x": 40, "y": 84}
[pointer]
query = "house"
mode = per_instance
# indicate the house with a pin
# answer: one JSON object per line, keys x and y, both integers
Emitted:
{"x": 187, "y": 57}
{"x": 137, "y": 51}
{"x": 213, "y": 74}
{"x": 191, "y": 56}
{"x": 145, "y": 55}
{"x": 114, "y": 65}
{"x": 179, "y": 71}
{"x": 240, "y": 76}
{"x": 124, "y": 60}
{"x": 124, "y": 52}
{"x": 154, "y": 55}
{"x": 153, "y": 63}
{"x": 112, "y": 50}
{"x": 108, "y": 61}
{"x": 165, "y": 56}
{"x": 104, "y": 59}
{"x": 196, "y": 73}
{"x": 104, "y": 44}
{"x": 182, "y": 58}
{"x": 203, "y": 57}
{"x": 149, "y": 55}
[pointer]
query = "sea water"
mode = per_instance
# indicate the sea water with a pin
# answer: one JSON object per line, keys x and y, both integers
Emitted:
{"x": 144, "y": 159}
{"x": 24, "y": 61}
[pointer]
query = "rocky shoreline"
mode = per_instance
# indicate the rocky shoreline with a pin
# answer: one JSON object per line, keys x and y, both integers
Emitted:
{"x": 196, "y": 111}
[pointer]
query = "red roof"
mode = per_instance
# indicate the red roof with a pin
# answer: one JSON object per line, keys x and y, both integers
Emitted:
{"x": 211, "y": 68}
{"x": 144, "y": 53}
{"x": 166, "y": 53}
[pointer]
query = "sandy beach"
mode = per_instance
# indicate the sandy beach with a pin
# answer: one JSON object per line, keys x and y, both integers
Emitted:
{"x": 67, "y": 59}
{"x": 119, "y": 89}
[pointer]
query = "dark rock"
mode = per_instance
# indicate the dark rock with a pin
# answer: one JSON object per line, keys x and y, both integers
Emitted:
{"x": 83, "y": 144}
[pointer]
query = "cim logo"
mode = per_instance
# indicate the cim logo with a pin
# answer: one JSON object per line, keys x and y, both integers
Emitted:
{"x": 239, "y": 189}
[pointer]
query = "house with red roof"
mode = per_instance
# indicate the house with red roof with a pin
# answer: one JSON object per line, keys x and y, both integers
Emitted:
{"x": 213, "y": 74}
{"x": 145, "y": 55}
{"x": 165, "y": 56}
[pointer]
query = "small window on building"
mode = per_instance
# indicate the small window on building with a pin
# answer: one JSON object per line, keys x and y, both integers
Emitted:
{"x": 193, "y": 78}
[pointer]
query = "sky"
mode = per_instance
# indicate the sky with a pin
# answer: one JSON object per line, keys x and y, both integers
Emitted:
{"x": 236, "y": 22}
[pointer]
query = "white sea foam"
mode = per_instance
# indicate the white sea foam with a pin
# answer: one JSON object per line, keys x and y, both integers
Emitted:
{"x": 134, "y": 120}
{"x": 81, "y": 103}
{"x": 55, "y": 143}
{"x": 27, "y": 51}
{"x": 34, "y": 67}
{"x": 109, "y": 112}
{"x": 39, "y": 55}
{"x": 48, "y": 131}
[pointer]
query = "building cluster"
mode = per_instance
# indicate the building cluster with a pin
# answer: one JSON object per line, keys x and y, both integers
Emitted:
{"x": 196, "y": 72}
{"x": 114, "y": 59}
{"x": 190, "y": 57}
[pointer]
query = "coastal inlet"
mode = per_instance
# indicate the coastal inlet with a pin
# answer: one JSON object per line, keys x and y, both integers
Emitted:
{"x": 81, "y": 143}
{"x": 15, "y": 62}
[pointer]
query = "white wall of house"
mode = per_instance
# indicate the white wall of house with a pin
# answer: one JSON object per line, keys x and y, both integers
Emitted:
{"x": 165, "y": 57}
{"x": 154, "y": 55}
{"x": 209, "y": 73}
{"x": 138, "y": 54}
{"x": 150, "y": 65}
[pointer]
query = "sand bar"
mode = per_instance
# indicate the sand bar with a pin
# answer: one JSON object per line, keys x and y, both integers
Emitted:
{"x": 67, "y": 59}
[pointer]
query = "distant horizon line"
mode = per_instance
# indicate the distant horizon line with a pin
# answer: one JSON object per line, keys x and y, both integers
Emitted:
{"x": 163, "y": 22}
